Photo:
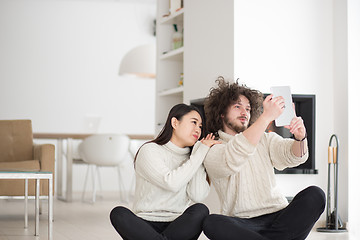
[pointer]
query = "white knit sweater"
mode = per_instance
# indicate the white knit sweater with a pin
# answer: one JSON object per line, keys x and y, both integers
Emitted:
{"x": 168, "y": 180}
{"x": 243, "y": 174}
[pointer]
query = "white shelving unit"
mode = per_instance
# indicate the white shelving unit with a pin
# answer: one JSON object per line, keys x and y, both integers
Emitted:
{"x": 170, "y": 62}
{"x": 172, "y": 91}
{"x": 176, "y": 55}
{"x": 172, "y": 18}
{"x": 208, "y": 51}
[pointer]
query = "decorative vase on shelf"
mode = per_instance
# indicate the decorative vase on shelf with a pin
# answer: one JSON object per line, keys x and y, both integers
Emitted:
{"x": 177, "y": 38}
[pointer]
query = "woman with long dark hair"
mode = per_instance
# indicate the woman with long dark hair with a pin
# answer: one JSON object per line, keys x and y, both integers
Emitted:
{"x": 170, "y": 182}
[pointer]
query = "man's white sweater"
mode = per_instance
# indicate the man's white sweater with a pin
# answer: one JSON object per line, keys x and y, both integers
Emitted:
{"x": 243, "y": 174}
{"x": 168, "y": 180}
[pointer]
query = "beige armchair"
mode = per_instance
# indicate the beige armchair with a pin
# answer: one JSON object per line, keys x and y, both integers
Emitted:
{"x": 19, "y": 153}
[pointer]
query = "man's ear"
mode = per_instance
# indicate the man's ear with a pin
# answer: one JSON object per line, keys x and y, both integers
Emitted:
{"x": 174, "y": 122}
{"x": 222, "y": 116}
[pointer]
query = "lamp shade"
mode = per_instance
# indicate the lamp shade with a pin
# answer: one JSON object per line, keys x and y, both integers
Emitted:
{"x": 139, "y": 61}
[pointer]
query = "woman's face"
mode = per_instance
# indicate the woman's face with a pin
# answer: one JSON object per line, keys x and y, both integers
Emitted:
{"x": 186, "y": 131}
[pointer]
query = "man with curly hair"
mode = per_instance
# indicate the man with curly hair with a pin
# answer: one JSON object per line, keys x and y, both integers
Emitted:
{"x": 242, "y": 168}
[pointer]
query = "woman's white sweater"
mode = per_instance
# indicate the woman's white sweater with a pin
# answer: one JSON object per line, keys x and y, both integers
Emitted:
{"x": 168, "y": 180}
{"x": 243, "y": 174}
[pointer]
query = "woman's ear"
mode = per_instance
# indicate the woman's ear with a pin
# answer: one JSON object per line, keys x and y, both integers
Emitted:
{"x": 174, "y": 122}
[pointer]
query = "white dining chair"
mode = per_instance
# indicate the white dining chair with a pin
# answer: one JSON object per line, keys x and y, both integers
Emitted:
{"x": 104, "y": 150}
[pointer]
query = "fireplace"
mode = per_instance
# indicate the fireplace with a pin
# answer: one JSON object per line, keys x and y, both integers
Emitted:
{"x": 305, "y": 107}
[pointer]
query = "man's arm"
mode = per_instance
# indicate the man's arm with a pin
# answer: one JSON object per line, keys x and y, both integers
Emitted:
{"x": 227, "y": 159}
{"x": 281, "y": 152}
{"x": 297, "y": 127}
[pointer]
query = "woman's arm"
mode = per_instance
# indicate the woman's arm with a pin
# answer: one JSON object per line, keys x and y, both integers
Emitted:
{"x": 198, "y": 188}
{"x": 150, "y": 165}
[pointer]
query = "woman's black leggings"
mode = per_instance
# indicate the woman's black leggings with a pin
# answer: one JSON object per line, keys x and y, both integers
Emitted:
{"x": 291, "y": 223}
{"x": 188, "y": 226}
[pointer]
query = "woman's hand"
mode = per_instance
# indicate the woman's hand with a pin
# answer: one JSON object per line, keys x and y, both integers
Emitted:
{"x": 209, "y": 140}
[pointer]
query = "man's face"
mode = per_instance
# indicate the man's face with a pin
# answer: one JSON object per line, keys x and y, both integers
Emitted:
{"x": 237, "y": 117}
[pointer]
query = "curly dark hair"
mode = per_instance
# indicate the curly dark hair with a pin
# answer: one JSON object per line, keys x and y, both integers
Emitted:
{"x": 224, "y": 95}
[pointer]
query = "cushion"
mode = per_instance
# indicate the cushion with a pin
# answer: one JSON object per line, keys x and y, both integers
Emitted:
{"x": 16, "y": 140}
{"x": 21, "y": 166}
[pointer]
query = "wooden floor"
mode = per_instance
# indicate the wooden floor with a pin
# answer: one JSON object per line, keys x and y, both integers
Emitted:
{"x": 81, "y": 221}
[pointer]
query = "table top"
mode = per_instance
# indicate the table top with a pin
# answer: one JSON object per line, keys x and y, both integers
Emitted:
{"x": 31, "y": 175}
{"x": 85, "y": 135}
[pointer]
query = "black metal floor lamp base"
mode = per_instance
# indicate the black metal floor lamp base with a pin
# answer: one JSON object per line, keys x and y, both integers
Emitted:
{"x": 329, "y": 230}
{"x": 333, "y": 220}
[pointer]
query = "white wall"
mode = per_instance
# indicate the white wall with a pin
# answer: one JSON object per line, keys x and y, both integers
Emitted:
{"x": 340, "y": 102}
{"x": 291, "y": 43}
{"x": 59, "y": 65}
{"x": 209, "y": 45}
{"x": 353, "y": 19}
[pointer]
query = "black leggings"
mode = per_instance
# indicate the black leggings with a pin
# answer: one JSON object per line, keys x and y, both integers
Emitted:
{"x": 188, "y": 226}
{"x": 291, "y": 223}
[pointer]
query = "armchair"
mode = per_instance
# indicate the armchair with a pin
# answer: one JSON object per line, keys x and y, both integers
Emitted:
{"x": 19, "y": 153}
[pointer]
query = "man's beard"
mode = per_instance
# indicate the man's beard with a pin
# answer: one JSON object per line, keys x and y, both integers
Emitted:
{"x": 236, "y": 127}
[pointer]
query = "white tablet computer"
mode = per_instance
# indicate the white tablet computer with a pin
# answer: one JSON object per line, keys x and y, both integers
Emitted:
{"x": 288, "y": 114}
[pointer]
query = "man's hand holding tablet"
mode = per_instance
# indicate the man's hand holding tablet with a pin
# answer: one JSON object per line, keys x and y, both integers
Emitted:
{"x": 288, "y": 114}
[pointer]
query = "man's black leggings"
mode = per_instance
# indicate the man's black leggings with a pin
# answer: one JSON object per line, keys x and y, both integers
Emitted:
{"x": 291, "y": 223}
{"x": 188, "y": 226}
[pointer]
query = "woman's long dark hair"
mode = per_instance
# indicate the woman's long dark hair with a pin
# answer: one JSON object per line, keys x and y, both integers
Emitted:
{"x": 177, "y": 111}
